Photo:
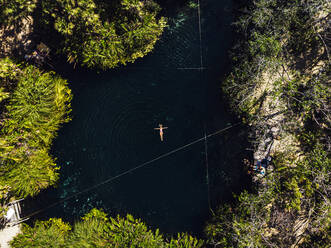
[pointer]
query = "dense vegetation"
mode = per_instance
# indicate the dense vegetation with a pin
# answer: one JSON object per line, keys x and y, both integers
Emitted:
{"x": 106, "y": 35}
{"x": 34, "y": 104}
{"x": 97, "y": 230}
{"x": 95, "y": 33}
{"x": 280, "y": 81}
{"x": 12, "y": 11}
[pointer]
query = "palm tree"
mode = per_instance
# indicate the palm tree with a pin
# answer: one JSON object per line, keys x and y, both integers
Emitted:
{"x": 35, "y": 110}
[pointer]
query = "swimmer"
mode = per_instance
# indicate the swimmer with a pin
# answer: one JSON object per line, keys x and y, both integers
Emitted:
{"x": 161, "y": 130}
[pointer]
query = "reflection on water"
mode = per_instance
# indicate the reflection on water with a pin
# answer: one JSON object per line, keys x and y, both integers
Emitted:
{"x": 114, "y": 115}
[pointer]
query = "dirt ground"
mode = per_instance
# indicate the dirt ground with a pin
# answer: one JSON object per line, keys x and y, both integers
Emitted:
{"x": 7, "y": 234}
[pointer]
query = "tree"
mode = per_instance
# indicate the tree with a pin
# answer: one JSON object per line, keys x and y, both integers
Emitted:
{"x": 37, "y": 104}
{"x": 95, "y": 39}
{"x": 97, "y": 230}
{"x": 184, "y": 240}
{"x": 51, "y": 233}
{"x": 12, "y": 11}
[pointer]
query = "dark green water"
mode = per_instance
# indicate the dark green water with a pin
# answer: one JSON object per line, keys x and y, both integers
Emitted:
{"x": 114, "y": 114}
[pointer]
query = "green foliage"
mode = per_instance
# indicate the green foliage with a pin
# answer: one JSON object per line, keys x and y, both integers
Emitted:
{"x": 32, "y": 174}
{"x": 275, "y": 33}
{"x": 130, "y": 232}
{"x": 307, "y": 178}
{"x": 94, "y": 39}
{"x": 264, "y": 45}
{"x": 38, "y": 106}
{"x": 51, "y": 233}
{"x": 185, "y": 240}
{"x": 240, "y": 225}
{"x": 118, "y": 232}
{"x": 8, "y": 72}
{"x": 13, "y": 10}
{"x": 293, "y": 187}
{"x": 95, "y": 214}
{"x": 3, "y": 95}
{"x": 193, "y": 5}
{"x": 302, "y": 187}
{"x": 309, "y": 99}
{"x": 97, "y": 230}
{"x": 219, "y": 230}
{"x": 39, "y": 103}
{"x": 4, "y": 192}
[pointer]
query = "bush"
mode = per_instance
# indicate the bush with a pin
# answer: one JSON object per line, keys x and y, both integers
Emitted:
{"x": 36, "y": 108}
{"x": 97, "y": 230}
{"x": 95, "y": 39}
{"x": 51, "y": 233}
{"x": 13, "y": 10}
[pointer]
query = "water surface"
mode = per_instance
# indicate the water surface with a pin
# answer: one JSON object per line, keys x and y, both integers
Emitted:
{"x": 114, "y": 115}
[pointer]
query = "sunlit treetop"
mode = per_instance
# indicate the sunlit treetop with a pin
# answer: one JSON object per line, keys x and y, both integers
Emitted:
{"x": 13, "y": 10}
{"x": 101, "y": 35}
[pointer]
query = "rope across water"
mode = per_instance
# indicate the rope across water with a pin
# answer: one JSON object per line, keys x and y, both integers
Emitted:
{"x": 163, "y": 155}
{"x": 132, "y": 169}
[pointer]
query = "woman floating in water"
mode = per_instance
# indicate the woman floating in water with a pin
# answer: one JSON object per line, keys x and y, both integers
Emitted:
{"x": 161, "y": 130}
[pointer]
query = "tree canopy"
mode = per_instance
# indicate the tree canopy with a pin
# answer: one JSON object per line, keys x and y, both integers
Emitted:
{"x": 103, "y": 35}
{"x": 97, "y": 230}
{"x": 36, "y": 104}
{"x": 280, "y": 81}
{"x": 12, "y": 11}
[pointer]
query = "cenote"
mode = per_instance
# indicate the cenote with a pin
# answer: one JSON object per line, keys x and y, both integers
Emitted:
{"x": 112, "y": 130}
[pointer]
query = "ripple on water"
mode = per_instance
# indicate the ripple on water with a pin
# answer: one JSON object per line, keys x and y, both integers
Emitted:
{"x": 112, "y": 131}
{"x": 179, "y": 45}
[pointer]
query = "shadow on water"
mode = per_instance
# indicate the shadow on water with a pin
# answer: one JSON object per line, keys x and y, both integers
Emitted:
{"x": 114, "y": 114}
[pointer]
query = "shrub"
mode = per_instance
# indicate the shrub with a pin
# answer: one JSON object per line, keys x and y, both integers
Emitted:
{"x": 36, "y": 108}
{"x": 95, "y": 39}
